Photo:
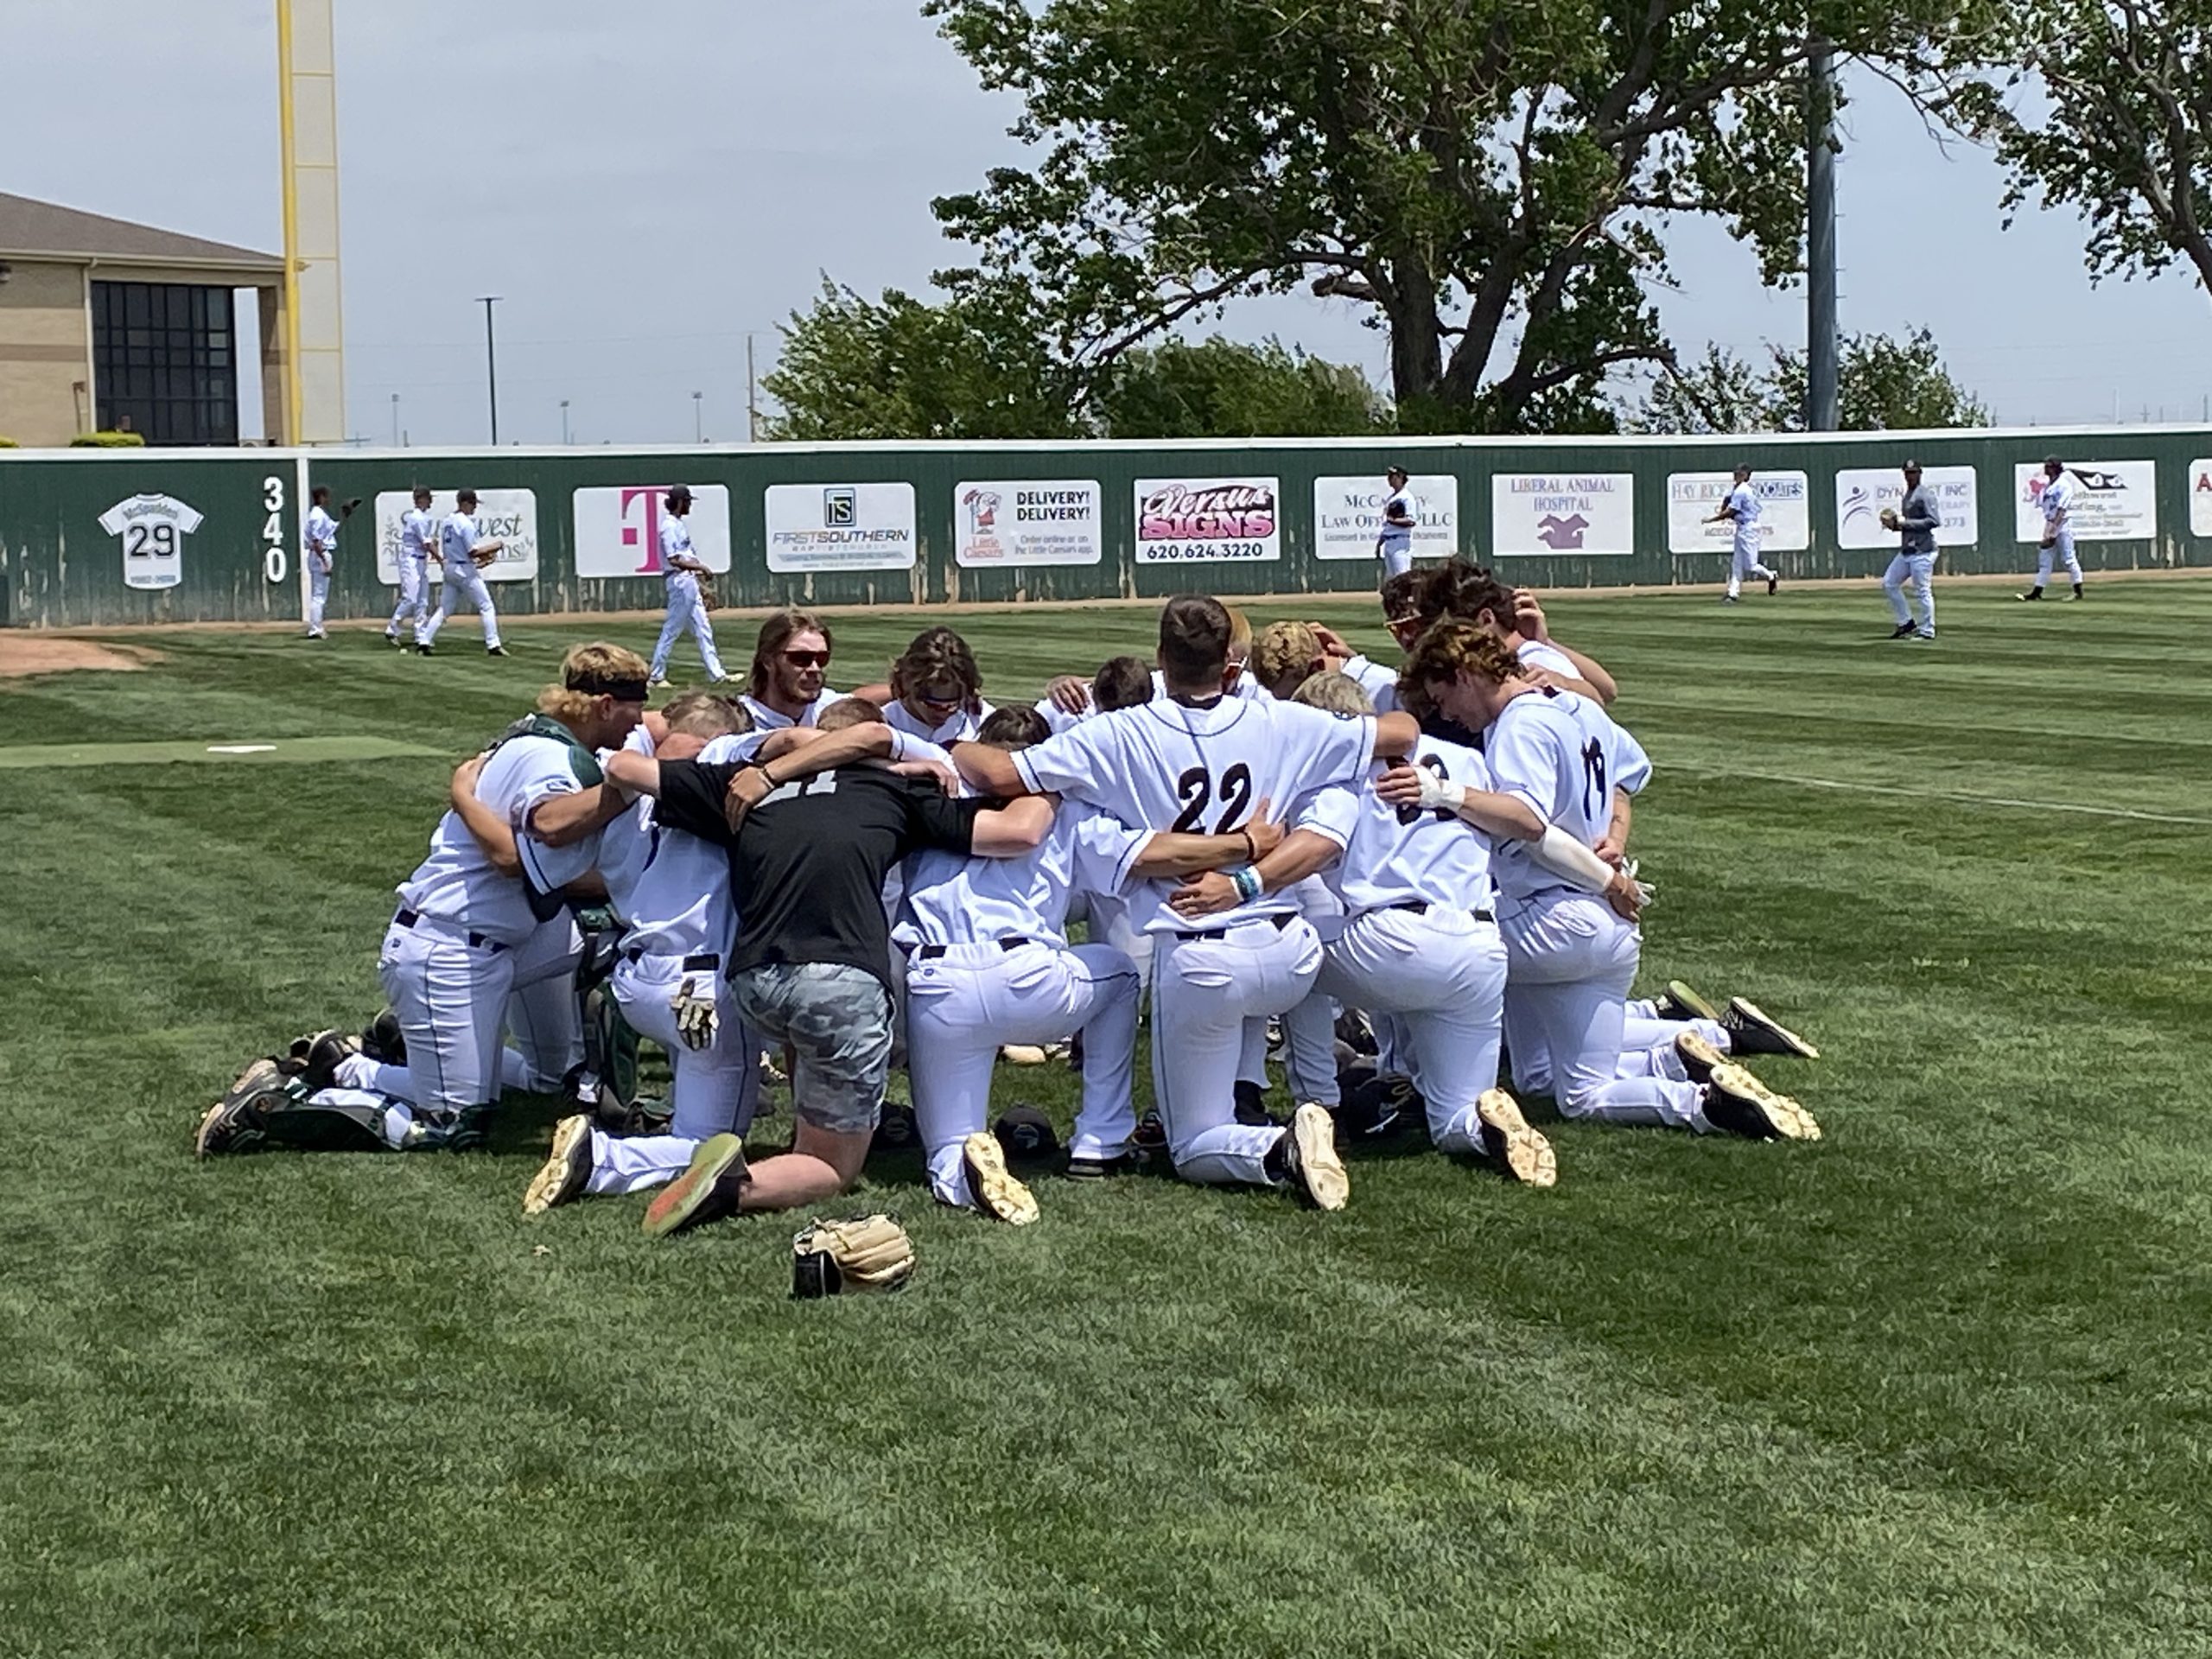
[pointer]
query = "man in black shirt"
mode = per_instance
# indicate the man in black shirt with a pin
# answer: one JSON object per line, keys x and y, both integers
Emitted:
{"x": 810, "y": 836}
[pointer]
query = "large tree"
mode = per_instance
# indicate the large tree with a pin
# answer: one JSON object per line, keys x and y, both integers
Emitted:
{"x": 2109, "y": 112}
{"x": 1882, "y": 384}
{"x": 1490, "y": 179}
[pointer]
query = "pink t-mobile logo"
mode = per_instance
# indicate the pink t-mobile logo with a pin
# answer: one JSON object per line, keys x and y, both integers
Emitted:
{"x": 645, "y": 537}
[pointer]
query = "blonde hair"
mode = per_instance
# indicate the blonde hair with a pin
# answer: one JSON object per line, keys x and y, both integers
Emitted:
{"x": 1334, "y": 693}
{"x": 1284, "y": 651}
{"x": 1240, "y": 632}
{"x": 847, "y": 711}
{"x": 595, "y": 665}
{"x": 706, "y": 714}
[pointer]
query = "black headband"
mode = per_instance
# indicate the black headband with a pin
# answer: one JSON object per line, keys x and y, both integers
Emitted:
{"x": 623, "y": 688}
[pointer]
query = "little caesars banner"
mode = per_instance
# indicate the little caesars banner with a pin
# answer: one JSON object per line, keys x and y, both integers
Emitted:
{"x": 1028, "y": 521}
{"x": 1187, "y": 520}
{"x": 1785, "y": 513}
{"x": 1563, "y": 513}
{"x": 1348, "y": 515}
{"x": 508, "y": 516}
{"x": 841, "y": 527}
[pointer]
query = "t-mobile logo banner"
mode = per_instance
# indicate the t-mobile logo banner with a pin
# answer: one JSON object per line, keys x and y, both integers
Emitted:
{"x": 619, "y": 528}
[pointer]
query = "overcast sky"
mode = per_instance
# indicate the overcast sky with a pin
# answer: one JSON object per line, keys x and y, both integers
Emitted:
{"x": 646, "y": 183}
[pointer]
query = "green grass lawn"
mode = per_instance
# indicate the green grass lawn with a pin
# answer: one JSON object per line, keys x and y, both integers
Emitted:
{"x": 1936, "y": 1385}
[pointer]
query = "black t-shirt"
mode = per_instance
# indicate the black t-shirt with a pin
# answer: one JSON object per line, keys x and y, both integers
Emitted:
{"x": 806, "y": 871}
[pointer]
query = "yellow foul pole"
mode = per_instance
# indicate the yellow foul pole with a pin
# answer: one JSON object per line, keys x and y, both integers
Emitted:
{"x": 284, "y": 118}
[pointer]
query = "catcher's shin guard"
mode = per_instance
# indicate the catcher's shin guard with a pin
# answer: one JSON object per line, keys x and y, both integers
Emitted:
{"x": 307, "y": 1122}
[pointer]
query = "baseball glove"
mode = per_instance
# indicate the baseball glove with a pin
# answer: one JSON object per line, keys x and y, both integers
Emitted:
{"x": 709, "y": 598}
{"x": 347, "y": 511}
{"x": 857, "y": 1254}
{"x": 483, "y": 561}
{"x": 1888, "y": 518}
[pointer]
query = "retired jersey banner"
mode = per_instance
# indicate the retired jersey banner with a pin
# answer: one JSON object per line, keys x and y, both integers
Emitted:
{"x": 618, "y": 528}
{"x": 1563, "y": 513}
{"x": 1348, "y": 515}
{"x": 508, "y": 516}
{"x": 2114, "y": 500}
{"x": 1861, "y": 492}
{"x": 1785, "y": 513}
{"x": 840, "y": 527}
{"x": 1199, "y": 520}
{"x": 1028, "y": 521}
{"x": 152, "y": 528}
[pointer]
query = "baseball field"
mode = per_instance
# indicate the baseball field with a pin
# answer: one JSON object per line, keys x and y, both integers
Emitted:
{"x": 1934, "y": 1385}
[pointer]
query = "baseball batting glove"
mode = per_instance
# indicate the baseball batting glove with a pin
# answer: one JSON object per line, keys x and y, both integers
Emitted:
{"x": 857, "y": 1254}
{"x": 694, "y": 1005}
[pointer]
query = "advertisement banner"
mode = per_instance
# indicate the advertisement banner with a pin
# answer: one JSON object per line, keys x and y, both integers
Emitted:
{"x": 1190, "y": 520}
{"x": 840, "y": 527}
{"x": 1348, "y": 515}
{"x": 1785, "y": 513}
{"x": 1861, "y": 492}
{"x": 152, "y": 529}
{"x": 2114, "y": 500}
{"x": 618, "y": 528}
{"x": 1029, "y": 521}
{"x": 509, "y": 516}
{"x": 2200, "y": 497}
{"x": 1563, "y": 513}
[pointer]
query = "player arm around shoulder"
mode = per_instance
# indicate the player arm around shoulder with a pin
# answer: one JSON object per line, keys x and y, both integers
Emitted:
{"x": 1507, "y": 815}
{"x": 488, "y": 828}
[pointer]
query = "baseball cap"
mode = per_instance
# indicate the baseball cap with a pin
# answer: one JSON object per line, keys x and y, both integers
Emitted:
{"x": 683, "y": 490}
{"x": 1912, "y": 466}
{"x": 1398, "y": 468}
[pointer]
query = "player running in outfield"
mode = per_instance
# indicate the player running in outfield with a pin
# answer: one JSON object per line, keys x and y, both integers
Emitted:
{"x": 1742, "y": 509}
{"x": 418, "y": 545}
{"x": 687, "y": 575}
{"x": 463, "y": 551}
{"x": 2057, "y": 501}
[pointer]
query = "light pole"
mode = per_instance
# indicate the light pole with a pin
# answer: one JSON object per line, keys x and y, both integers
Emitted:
{"x": 564, "y": 420}
{"x": 698, "y": 427}
{"x": 395, "y": 420}
{"x": 491, "y": 361}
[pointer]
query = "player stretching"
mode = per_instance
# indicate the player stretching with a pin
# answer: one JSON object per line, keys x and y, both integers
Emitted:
{"x": 464, "y": 550}
{"x": 2057, "y": 545}
{"x": 687, "y": 575}
{"x": 1743, "y": 507}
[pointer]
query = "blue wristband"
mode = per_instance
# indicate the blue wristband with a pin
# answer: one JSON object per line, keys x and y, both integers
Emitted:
{"x": 1248, "y": 884}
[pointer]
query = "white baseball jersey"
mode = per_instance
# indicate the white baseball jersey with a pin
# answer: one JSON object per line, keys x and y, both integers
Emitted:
{"x": 457, "y": 537}
{"x": 766, "y": 719}
{"x": 417, "y": 531}
{"x": 2057, "y": 497}
{"x": 1246, "y": 686}
{"x": 457, "y": 884}
{"x": 675, "y": 538}
{"x": 1397, "y": 540}
{"x": 1744, "y": 508}
{"x": 1395, "y": 855}
{"x": 1559, "y": 753}
{"x": 1541, "y": 653}
{"x": 318, "y": 531}
{"x": 1199, "y": 771}
{"x": 670, "y": 888}
{"x": 1380, "y": 683}
{"x": 956, "y": 901}
{"x": 959, "y": 727}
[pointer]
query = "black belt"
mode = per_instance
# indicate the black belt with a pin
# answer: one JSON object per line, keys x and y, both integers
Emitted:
{"x": 1012, "y": 942}
{"x": 407, "y": 917}
{"x": 1278, "y": 922}
{"x": 1421, "y": 908}
{"x": 700, "y": 962}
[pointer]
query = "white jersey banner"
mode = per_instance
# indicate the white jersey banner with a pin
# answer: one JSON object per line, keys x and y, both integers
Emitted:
{"x": 2114, "y": 500}
{"x": 1861, "y": 492}
{"x": 1563, "y": 513}
{"x": 1208, "y": 520}
{"x": 508, "y": 516}
{"x": 840, "y": 527}
{"x": 618, "y": 528}
{"x": 1348, "y": 515}
{"x": 1785, "y": 513}
{"x": 152, "y": 529}
{"x": 1008, "y": 522}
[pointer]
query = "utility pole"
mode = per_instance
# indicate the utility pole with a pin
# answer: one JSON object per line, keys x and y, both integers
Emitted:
{"x": 491, "y": 361}
{"x": 395, "y": 420}
{"x": 1820, "y": 342}
{"x": 751, "y": 409}
{"x": 698, "y": 419}
{"x": 564, "y": 420}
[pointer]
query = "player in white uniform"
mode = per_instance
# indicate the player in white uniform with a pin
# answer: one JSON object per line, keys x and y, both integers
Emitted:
{"x": 1202, "y": 761}
{"x": 1069, "y": 695}
{"x": 418, "y": 543}
{"x": 687, "y": 574}
{"x": 461, "y": 544}
{"x": 1393, "y": 544}
{"x": 318, "y": 549}
{"x": 935, "y": 691}
{"x": 1572, "y": 955}
{"x": 2057, "y": 545}
{"x": 790, "y": 658}
{"x": 1742, "y": 509}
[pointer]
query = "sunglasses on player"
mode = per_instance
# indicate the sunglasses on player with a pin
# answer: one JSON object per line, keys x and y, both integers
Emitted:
{"x": 807, "y": 659}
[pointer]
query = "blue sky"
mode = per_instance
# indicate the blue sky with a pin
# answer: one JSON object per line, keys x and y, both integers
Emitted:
{"x": 648, "y": 184}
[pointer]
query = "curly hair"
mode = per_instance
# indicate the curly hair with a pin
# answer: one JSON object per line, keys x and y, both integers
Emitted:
{"x": 1283, "y": 655}
{"x": 597, "y": 664}
{"x": 1442, "y": 655}
{"x": 1334, "y": 693}
{"x": 933, "y": 658}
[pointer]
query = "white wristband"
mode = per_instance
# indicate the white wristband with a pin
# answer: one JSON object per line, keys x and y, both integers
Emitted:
{"x": 1436, "y": 791}
{"x": 1565, "y": 857}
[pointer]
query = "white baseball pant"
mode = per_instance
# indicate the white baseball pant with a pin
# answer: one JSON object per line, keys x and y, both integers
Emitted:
{"x": 1204, "y": 987}
{"x": 1647, "y": 1048}
{"x": 1443, "y": 975}
{"x": 454, "y": 991}
{"x": 465, "y": 582}
{"x": 687, "y": 609}
{"x": 1397, "y": 561}
{"x": 964, "y": 1002}
{"x": 1918, "y": 568}
{"x": 412, "y": 599}
{"x": 2060, "y": 552}
{"x": 1745, "y": 562}
{"x": 318, "y": 589}
{"x": 1570, "y": 963}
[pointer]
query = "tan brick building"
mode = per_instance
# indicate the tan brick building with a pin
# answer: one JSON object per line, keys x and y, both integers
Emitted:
{"x": 105, "y": 324}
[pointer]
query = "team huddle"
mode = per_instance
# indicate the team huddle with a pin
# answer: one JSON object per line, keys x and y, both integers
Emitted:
{"x": 1418, "y": 877}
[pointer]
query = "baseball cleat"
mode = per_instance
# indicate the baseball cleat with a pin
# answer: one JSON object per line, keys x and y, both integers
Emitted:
{"x": 991, "y": 1186}
{"x": 1152, "y": 1132}
{"x": 2032, "y": 593}
{"x": 1310, "y": 1161}
{"x": 422, "y": 651}
{"x": 238, "y": 1121}
{"x": 1023, "y": 1054}
{"x": 495, "y": 651}
{"x": 706, "y": 1192}
{"x": 1729, "y": 599}
{"x": 1773, "y": 586}
{"x": 1679, "y": 1002}
{"x": 1738, "y": 1104}
{"x": 1752, "y": 1031}
{"x": 659, "y": 683}
{"x": 1904, "y": 631}
{"x": 567, "y": 1168}
{"x": 2077, "y": 592}
{"x": 1698, "y": 1056}
{"x": 391, "y": 639}
{"x": 1097, "y": 1165}
{"x": 383, "y": 1041}
{"x": 316, "y": 1057}
{"x": 1524, "y": 1153}
{"x": 1025, "y": 1133}
{"x": 896, "y": 1127}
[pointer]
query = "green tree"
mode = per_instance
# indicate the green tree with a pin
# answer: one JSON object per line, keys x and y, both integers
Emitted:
{"x": 1490, "y": 178}
{"x": 1224, "y": 389}
{"x": 2117, "y": 125}
{"x": 1884, "y": 383}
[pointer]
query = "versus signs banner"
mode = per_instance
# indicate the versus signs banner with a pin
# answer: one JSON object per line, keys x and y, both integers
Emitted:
{"x": 1785, "y": 513}
{"x": 840, "y": 527}
{"x": 1563, "y": 513}
{"x": 2114, "y": 500}
{"x": 618, "y": 529}
{"x": 1348, "y": 515}
{"x": 1861, "y": 492}
{"x": 509, "y": 516}
{"x": 1028, "y": 521}
{"x": 1185, "y": 520}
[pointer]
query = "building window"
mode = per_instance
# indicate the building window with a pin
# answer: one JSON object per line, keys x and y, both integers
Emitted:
{"x": 165, "y": 361}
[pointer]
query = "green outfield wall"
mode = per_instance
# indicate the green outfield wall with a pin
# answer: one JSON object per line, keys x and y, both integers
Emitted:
{"x": 103, "y": 538}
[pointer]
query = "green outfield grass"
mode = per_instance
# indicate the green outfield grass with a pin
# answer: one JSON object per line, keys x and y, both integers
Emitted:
{"x": 1936, "y": 1385}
